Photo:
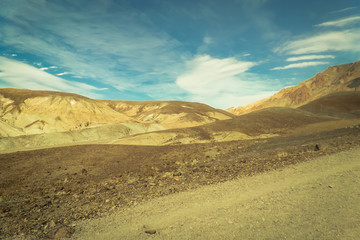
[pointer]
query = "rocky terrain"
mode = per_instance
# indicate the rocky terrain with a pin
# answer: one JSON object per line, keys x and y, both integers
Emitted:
{"x": 331, "y": 112}
{"x": 42, "y": 190}
{"x": 66, "y": 158}
{"x": 334, "y": 79}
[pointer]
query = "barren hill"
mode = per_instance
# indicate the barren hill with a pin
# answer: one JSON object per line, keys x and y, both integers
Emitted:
{"x": 328, "y": 113}
{"x": 170, "y": 114}
{"x": 34, "y": 112}
{"x": 47, "y": 118}
{"x": 343, "y": 104}
{"x": 334, "y": 79}
{"x": 25, "y": 112}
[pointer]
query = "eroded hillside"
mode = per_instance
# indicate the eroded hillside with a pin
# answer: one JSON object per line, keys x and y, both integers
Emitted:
{"x": 334, "y": 79}
{"x": 45, "y": 118}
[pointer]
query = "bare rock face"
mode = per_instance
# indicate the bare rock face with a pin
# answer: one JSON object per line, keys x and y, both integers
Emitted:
{"x": 334, "y": 79}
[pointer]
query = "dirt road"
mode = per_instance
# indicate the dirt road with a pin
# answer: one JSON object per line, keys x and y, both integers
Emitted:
{"x": 319, "y": 199}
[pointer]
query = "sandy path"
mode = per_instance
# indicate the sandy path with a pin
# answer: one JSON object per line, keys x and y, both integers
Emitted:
{"x": 314, "y": 200}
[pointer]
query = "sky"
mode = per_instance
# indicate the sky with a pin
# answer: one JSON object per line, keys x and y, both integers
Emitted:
{"x": 224, "y": 53}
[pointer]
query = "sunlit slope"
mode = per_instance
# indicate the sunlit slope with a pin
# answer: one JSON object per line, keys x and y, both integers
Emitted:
{"x": 328, "y": 113}
{"x": 170, "y": 114}
{"x": 26, "y": 112}
{"x": 334, "y": 79}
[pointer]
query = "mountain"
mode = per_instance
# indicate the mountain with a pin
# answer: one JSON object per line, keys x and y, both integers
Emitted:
{"x": 340, "y": 104}
{"x": 340, "y": 78}
{"x": 334, "y": 111}
{"x": 27, "y": 112}
{"x": 170, "y": 114}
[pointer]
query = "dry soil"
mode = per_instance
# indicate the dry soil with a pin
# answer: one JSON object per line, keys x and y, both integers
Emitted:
{"x": 313, "y": 200}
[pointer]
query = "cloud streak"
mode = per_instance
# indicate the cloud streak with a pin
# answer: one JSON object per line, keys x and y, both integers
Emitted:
{"x": 309, "y": 57}
{"x": 344, "y": 10}
{"x": 347, "y": 40}
{"x": 22, "y": 75}
{"x": 339, "y": 23}
{"x": 300, "y": 65}
{"x": 107, "y": 44}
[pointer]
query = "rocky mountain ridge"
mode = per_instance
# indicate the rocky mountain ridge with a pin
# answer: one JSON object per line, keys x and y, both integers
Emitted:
{"x": 334, "y": 79}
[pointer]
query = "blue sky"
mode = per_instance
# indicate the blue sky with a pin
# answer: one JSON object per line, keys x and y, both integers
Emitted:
{"x": 220, "y": 52}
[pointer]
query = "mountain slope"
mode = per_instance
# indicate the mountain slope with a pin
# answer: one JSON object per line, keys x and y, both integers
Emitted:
{"x": 34, "y": 112}
{"x": 170, "y": 114}
{"x": 334, "y": 79}
{"x": 341, "y": 104}
{"x": 264, "y": 123}
{"x": 26, "y": 112}
{"x": 325, "y": 114}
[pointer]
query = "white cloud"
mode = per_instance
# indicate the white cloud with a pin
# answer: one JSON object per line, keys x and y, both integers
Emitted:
{"x": 47, "y": 68}
{"x": 22, "y": 75}
{"x": 125, "y": 46}
{"x": 340, "y": 22}
{"x": 309, "y": 57}
{"x": 207, "y": 75}
{"x": 300, "y": 65}
{"x": 347, "y": 40}
{"x": 221, "y": 82}
{"x": 344, "y": 10}
{"x": 63, "y": 73}
{"x": 246, "y": 54}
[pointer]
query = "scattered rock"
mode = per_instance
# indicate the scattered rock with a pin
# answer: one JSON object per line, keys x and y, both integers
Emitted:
{"x": 282, "y": 155}
{"x": 52, "y": 224}
{"x": 150, "y": 231}
{"x": 167, "y": 174}
{"x": 132, "y": 180}
{"x": 317, "y": 147}
{"x": 61, "y": 231}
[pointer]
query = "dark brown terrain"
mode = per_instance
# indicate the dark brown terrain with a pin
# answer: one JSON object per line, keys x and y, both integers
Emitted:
{"x": 42, "y": 188}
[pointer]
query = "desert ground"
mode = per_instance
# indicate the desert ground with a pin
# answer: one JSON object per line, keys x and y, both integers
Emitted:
{"x": 318, "y": 199}
{"x": 286, "y": 167}
{"x": 43, "y": 190}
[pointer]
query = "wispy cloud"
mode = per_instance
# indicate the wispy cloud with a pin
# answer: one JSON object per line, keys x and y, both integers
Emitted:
{"x": 117, "y": 48}
{"x": 63, "y": 73}
{"x": 309, "y": 57}
{"x": 206, "y": 75}
{"x": 22, "y": 75}
{"x": 221, "y": 82}
{"x": 340, "y": 22}
{"x": 347, "y": 40}
{"x": 300, "y": 65}
{"x": 344, "y": 10}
